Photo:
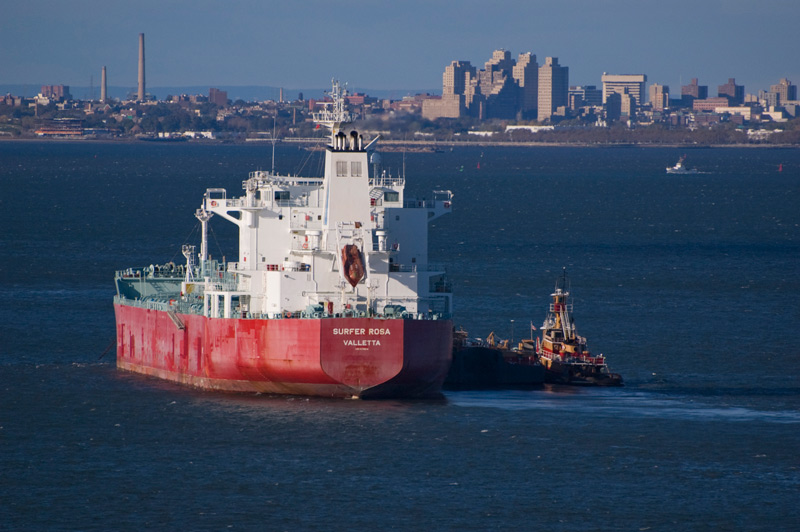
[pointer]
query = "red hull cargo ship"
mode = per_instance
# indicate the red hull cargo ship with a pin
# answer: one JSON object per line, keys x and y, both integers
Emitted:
{"x": 332, "y": 294}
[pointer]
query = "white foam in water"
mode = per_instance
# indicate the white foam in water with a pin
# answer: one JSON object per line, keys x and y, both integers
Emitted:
{"x": 616, "y": 403}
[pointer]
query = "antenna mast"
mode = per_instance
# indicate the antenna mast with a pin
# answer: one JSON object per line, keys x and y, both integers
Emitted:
{"x": 273, "y": 145}
{"x": 204, "y": 216}
{"x": 334, "y": 115}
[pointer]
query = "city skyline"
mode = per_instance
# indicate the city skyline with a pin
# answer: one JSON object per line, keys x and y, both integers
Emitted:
{"x": 400, "y": 46}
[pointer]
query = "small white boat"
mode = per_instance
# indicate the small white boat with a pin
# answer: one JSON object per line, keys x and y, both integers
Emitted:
{"x": 680, "y": 169}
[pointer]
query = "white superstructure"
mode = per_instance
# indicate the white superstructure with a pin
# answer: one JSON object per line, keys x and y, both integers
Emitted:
{"x": 293, "y": 232}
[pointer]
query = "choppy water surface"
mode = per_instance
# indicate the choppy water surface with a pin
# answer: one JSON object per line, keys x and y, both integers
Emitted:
{"x": 688, "y": 284}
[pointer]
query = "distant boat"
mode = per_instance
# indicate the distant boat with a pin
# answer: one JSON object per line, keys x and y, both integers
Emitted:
{"x": 680, "y": 169}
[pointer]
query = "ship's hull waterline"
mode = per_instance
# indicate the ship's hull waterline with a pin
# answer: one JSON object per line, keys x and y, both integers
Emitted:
{"x": 328, "y": 357}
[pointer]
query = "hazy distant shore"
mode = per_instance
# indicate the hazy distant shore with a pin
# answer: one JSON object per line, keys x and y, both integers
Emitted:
{"x": 414, "y": 145}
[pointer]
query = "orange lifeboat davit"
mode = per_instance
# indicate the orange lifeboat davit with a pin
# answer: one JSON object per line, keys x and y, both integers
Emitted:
{"x": 352, "y": 264}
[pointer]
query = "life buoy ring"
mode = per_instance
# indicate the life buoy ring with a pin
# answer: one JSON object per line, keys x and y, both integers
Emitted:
{"x": 305, "y": 245}
{"x": 213, "y": 203}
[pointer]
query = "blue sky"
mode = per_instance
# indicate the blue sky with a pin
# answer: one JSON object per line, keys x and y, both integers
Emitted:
{"x": 394, "y": 45}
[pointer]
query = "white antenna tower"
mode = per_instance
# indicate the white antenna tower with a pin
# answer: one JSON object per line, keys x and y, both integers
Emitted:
{"x": 334, "y": 114}
{"x": 273, "y": 145}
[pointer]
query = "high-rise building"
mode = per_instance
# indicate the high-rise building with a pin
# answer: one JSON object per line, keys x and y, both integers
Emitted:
{"x": 613, "y": 107}
{"x": 495, "y": 70}
{"x": 692, "y": 92}
{"x": 474, "y": 101}
{"x": 553, "y": 88}
{"x": 526, "y": 74}
{"x": 498, "y": 87}
{"x": 585, "y": 96}
{"x": 454, "y": 81}
{"x": 503, "y": 100}
{"x": 785, "y": 91}
{"x": 633, "y": 84}
{"x": 628, "y": 104}
{"x": 56, "y": 92}
{"x": 734, "y": 92}
{"x": 218, "y": 97}
{"x": 504, "y": 88}
{"x": 659, "y": 97}
{"x": 768, "y": 99}
{"x": 455, "y": 77}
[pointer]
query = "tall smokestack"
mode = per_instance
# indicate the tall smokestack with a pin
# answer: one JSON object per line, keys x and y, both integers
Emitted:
{"x": 103, "y": 86}
{"x": 141, "y": 67}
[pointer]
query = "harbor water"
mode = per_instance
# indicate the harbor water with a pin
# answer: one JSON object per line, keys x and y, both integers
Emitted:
{"x": 689, "y": 285}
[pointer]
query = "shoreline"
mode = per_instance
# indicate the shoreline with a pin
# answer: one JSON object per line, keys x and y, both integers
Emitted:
{"x": 422, "y": 146}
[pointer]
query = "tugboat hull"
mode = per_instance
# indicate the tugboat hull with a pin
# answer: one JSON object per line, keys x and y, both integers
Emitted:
{"x": 580, "y": 375}
{"x": 479, "y": 367}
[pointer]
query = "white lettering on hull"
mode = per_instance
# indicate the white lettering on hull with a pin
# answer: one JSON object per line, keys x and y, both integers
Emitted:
{"x": 344, "y": 331}
{"x": 361, "y": 343}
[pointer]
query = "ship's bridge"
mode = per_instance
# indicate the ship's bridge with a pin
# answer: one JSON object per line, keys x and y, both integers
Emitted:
{"x": 263, "y": 179}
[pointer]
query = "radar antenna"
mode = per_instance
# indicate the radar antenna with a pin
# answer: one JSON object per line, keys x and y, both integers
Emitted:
{"x": 334, "y": 114}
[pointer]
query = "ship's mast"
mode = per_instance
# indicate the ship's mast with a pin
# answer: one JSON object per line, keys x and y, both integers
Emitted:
{"x": 188, "y": 252}
{"x": 334, "y": 114}
{"x": 273, "y": 145}
{"x": 560, "y": 307}
{"x": 204, "y": 216}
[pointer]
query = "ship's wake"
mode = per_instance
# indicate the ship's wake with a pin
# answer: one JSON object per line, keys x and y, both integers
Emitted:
{"x": 618, "y": 402}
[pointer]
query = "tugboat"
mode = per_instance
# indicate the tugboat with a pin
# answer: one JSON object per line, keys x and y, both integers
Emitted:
{"x": 490, "y": 364}
{"x": 563, "y": 353}
{"x": 680, "y": 169}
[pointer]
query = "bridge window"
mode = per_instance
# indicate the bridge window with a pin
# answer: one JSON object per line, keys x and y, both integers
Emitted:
{"x": 281, "y": 195}
{"x": 391, "y": 196}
